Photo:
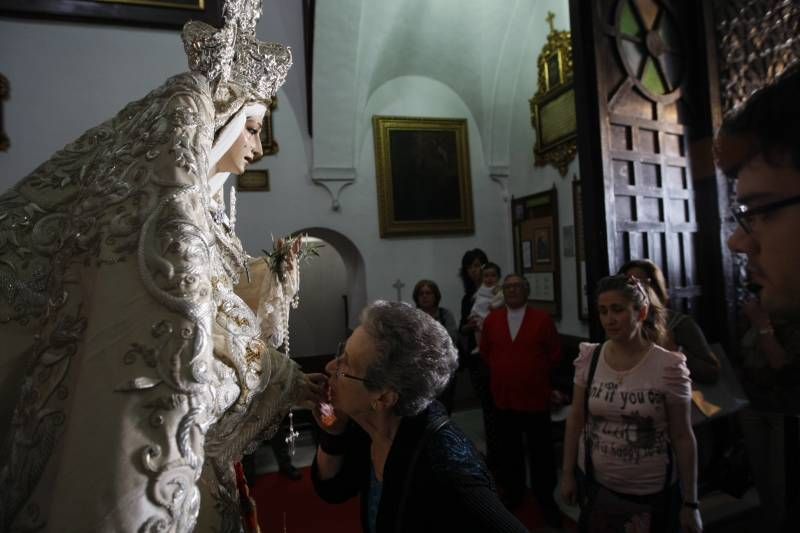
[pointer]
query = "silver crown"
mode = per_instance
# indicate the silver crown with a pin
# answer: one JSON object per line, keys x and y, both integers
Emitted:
{"x": 239, "y": 66}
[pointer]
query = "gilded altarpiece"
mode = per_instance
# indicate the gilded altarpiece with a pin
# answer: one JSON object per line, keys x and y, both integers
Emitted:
{"x": 553, "y": 106}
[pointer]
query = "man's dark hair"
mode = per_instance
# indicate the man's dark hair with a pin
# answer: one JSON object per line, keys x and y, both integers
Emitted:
{"x": 767, "y": 124}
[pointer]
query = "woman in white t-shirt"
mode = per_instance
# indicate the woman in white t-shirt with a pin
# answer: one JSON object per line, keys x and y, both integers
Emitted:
{"x": 637, "y": 428}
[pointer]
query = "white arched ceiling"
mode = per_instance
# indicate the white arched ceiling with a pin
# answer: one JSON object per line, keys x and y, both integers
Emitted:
{"x": 476, "y": 48}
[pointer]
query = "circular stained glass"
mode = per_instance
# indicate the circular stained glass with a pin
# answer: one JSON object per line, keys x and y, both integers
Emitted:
{"x": 649, "y": 44}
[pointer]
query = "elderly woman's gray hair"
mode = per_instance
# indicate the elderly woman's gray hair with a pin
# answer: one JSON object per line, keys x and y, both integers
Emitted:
{"x": 415, "y": 355}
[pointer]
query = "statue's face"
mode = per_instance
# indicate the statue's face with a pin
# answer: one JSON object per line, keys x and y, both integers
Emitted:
{"x": 245, "y": 150}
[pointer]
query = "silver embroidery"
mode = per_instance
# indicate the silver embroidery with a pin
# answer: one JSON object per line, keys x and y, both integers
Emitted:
{"x": 131, "y": 193}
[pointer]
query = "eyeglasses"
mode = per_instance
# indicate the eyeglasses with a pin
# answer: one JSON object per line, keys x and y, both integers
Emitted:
{"x": 513, "y": 285}
{"x": 339, "y": 373}
{"x": 744, "y": 215}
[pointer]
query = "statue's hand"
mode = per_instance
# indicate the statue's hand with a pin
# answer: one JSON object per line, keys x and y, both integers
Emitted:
{"x": 314, "y": 390}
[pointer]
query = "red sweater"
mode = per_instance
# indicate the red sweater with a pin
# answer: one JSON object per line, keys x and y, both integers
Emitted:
{"x": 520, "y": 369}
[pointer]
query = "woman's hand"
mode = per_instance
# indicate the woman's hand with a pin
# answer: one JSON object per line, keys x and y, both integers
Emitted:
{"x": 569, "y": 489}
{"x": 690, "y": 520}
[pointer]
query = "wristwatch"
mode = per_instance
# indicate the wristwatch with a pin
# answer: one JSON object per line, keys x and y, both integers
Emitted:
{"x": 692, "y": 505}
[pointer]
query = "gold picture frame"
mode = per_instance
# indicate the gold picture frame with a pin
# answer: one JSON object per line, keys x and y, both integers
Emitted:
{"x": 253, "y": 180}
{"x": 553, "y": 113}
{"x": 423, "y": 176}
{"x": 147, "y": 13}
{"x": 269, "y": 146}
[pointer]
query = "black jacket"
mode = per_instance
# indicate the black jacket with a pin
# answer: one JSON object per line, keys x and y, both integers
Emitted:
{"x": 451, "y": 489}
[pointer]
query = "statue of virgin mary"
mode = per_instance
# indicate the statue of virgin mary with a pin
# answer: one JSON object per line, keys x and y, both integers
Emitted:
{"x": 138, "y": 355}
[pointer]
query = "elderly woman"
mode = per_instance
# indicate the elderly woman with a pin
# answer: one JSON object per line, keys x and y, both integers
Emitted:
{"x": 387, "y": 440}
{"x": 427, "y": 297}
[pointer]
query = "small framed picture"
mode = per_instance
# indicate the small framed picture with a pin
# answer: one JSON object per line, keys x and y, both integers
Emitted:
{"x": 253, "y": 180}
{"x": 269, "y": 146}
{"x": 527, "y": 255}
{"x": 542, "y": 244}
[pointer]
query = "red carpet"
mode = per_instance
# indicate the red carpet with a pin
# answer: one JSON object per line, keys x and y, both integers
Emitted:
{"x": 275, "y": 495}
{"x": 306, "y": 513}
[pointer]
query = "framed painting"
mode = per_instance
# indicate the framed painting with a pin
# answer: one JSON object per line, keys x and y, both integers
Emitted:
{"x": 253, "y": 180}
{"x": 149, "y": 13}
{"x": 541, "y": 237}
{"x": 423, "y": 176}
{"x": 536, "y": 248}
{"x": 269, "y": 146}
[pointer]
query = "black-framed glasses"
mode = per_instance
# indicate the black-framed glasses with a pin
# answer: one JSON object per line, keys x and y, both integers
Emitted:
{"x": 339, "y": 373}
{"x": 744, "y": 215}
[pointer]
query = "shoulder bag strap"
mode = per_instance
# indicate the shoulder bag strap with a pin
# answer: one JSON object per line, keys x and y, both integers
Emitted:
{"x": 587, "y": 441}
{"x": 435, "y": 425}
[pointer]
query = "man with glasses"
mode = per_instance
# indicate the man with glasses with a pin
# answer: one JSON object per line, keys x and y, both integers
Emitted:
{"x": 758, "y": 145}
{"x": 521, "y": 347}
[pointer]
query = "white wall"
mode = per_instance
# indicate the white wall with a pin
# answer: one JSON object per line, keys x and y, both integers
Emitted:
{"x": 321, "y": 309}
{"x": 67, "y": 77}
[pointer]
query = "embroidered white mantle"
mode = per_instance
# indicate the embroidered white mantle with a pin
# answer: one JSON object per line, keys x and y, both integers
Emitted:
{"x": 132, "y": 374}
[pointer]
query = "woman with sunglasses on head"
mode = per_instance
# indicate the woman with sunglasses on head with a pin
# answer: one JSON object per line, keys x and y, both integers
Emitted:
{"x": 384, "y": 438}
{"x": 683, "y": 333}
{"x": 629, "y": 429}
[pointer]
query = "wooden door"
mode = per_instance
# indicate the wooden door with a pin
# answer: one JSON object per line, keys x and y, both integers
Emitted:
{"x": 632, "y": 70}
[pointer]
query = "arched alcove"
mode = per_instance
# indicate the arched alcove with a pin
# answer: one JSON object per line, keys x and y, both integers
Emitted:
{"x": 332, "y": 293}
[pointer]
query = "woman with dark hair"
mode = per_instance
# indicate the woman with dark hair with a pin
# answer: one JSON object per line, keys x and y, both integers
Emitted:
{"x": 385, "y": 439}
{"x": 683, "y": 333}
{"x": 630, "y": 411}
{"x": 471, "y": 273}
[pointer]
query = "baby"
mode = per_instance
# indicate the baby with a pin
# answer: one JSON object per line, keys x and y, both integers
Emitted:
{"x": 488, "y": 296}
